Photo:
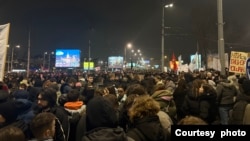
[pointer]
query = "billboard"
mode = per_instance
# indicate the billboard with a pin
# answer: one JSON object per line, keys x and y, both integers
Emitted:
{"x": 115, "y": 62}
{"x": 88, "y": 66}
{"x": 67, "y": 58}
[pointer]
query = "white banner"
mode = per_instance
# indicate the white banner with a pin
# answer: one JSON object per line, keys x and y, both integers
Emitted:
{"x": 4, "y": 36}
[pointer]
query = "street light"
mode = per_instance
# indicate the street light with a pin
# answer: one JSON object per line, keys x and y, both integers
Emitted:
{"x": 45, "y": 53}
{"x": 12, "y": 56}
{"x": 129, "y": 45}
{"x": 52, "y": 53}
{"x": 163, "y": 32}
{"x": 221, "y": 44}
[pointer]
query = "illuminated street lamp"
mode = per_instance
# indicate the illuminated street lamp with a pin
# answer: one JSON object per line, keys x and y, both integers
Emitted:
{"x": 163, "y": 33}
{"x": 52, "y": 53}
{"x": 44, "y": 54}
{"x": 12, "y": 56}
{"x": 129, "y": 45}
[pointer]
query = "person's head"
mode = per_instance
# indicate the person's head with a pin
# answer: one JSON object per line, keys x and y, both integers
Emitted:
{"x": 137, "y": 89}
{"x": 47, "y": 98}
{"x": 22, "y": 86}
{"x": 121, "y": 90}
{"x": 4, "y": 96}
{"x": 143, "y": 106}
{"x": 197, "y": 84}
{"x": 90, "y": 78}
{"x": 206, "y": 88}
{"x": 113, "y": 100}
{"x": 47, "y": 83}
{"x": 11, "y": 133}
{"x": 100, "y": 113}
{"x": 8, "y": 112}
{"x": 43, "y": 125}
{"x": 158, "y": 78}
{"x": 73, "y": 95}
{"x": 71, "y": 81}
{"x": 191, "y": 120}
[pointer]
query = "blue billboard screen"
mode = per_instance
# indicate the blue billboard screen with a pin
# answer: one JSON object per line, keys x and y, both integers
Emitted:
{"x": 67, "y": 58}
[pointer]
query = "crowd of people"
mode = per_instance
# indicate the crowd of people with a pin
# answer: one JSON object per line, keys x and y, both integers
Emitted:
{"x": 124, "y": 105}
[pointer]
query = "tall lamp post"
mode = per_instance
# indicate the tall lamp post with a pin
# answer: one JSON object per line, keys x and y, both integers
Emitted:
{"x": 52, "y": 53}
{"x": 221, "y": 47}
{"x": 163, "y": 32}
{"x": 12, "y": 56}
{"x": 129, "y": 45}
{"x": 44, "y": 54}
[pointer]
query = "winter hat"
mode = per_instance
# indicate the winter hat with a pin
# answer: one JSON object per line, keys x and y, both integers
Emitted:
{"x": 9, "y": 111}
{"x": 246, "y": 87}
{"x": 4, "y": 95}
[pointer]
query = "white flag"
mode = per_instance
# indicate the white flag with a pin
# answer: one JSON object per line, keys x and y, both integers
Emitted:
{"x": 4, "y": 36}
{"x": 179, "y": 60}
{"x": 194, "y": 62}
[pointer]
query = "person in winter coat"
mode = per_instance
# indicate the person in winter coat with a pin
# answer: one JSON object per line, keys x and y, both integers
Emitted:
{"x": 47, "y": 100}
{"x": 200, "y": 101}
{"x": 240, "y": 112}
{"x": 147, "y": 126}
{"x": 226, "y": 93}
{"x": 208, "y": 105}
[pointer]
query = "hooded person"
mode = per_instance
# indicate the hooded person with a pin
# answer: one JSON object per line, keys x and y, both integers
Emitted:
{"x": 100, "y": 113}
{"x": 8, "y": 113}
{"x": 101, "y": 122}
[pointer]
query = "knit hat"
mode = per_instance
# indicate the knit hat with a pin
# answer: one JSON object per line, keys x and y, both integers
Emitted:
{"x": 4, "y": 95}
{"x": 9, "y": 111}
{"x": 246, "y": 87}
{"x": 24, "y": 81}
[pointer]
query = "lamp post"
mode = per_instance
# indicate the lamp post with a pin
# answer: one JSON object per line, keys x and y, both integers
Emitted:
{"x": 44, "y": 54}
{"x": 221, "y": 46}
{"x": 52, "y": 53}
{"x": 163, "y": 32}
{"x": 129, "y": 45}
{"x": 12, "y": 56}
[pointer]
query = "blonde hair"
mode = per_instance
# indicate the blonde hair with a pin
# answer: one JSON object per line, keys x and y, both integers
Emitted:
{"x": 143, "y": 106}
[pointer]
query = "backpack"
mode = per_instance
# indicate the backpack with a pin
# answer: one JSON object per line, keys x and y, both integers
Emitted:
{"x": 105, "y": 134}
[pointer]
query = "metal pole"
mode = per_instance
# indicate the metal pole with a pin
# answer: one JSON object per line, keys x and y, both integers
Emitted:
{"x": 89, "y": 58}
{"x": 12, "y": 56}
{"x": 162, "y": 38}
{"x": 221, "y": 49}
{"x": 8, "y": 62}
{"x": 28, "y": 62}
{"x": 44, "y": 59}
{"x": 49, "y": 63}
{"x": 125, "y": 56}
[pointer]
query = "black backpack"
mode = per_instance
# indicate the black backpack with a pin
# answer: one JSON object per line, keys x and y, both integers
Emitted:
{"x": 105, "y": 134}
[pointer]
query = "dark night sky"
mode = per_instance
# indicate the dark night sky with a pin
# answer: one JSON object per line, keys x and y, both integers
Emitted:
{"x": 110, "y": 25}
